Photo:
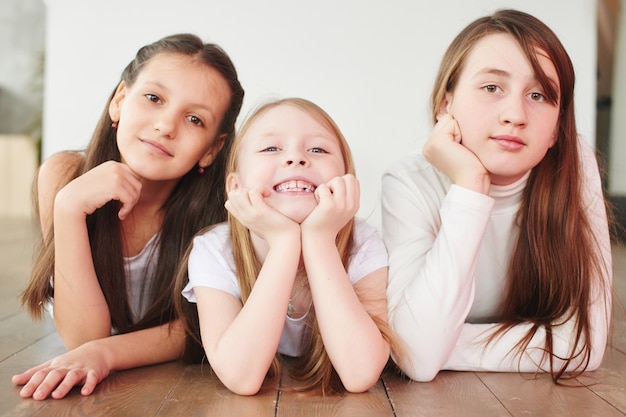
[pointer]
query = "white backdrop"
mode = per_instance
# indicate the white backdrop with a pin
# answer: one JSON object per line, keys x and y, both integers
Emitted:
{"x": 370, "y": 64}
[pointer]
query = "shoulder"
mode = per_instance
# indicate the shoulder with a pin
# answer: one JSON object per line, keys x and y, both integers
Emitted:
{"x": 364, "y": 231}
{"x": 368, "y": 251}
{"x": 412, "y": 162}
{"x": 413, "y": 170}
{"x": 59, "y": 169}
{"x": 216, "y": 237}
{"x": 54, "y": 174}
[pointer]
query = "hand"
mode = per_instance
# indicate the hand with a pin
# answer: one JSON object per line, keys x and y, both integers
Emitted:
{"x": 108, "y": 181}
{"x": 337, "y": 203}
{"x": 249, "y": 207}
{"x": 445, "y": 151}
{"x": 55, "y": 378}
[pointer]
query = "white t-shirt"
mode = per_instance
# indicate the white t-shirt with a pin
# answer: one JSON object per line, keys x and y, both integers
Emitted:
{"x": 211, "y": 264}
{"x": 449, "y": 249}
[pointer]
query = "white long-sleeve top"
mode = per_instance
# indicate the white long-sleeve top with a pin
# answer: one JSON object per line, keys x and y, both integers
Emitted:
{"x": 449, "y": 249}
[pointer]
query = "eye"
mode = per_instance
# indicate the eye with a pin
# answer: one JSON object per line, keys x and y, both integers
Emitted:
{"x": 491, "y": 88}
{"x": 537, "y": 97}
{"x": 195, "y": 120}
{"x": 270, "y": 149}
{"x": 317, "y": 150}
{"x": 153, "y": 98}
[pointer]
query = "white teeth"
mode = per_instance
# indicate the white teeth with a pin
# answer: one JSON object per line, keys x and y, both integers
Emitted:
{"x": 295, "y": 185}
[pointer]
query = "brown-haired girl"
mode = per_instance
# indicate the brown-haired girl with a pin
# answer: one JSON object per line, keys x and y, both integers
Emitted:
{"x": 497, "y": 234}
{"x": 116, "y": 219}
{"x": 292, "y": 272}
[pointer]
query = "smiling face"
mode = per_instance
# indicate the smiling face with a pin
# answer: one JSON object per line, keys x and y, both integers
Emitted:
{"x": 170, "y": 116}
{"x": 502, "y": 111}
{"x": 287, "y": 153}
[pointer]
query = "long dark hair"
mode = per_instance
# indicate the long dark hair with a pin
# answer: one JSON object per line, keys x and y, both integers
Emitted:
{"x": 548, "y": 283}
{"x": 196, "y": 201}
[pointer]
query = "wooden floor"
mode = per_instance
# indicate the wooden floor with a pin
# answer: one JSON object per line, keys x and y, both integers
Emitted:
{"x": 175, "y": 390}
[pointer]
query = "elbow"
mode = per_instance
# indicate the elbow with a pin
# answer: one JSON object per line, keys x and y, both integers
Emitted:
{"x": 424, "y": 372}
{"x": 595, "y": 358}
{"x": 245, "y": 388}
{"x": 361, "y": 378}
{"x": 244, "y": 383}
{"x": 360, "y": 383}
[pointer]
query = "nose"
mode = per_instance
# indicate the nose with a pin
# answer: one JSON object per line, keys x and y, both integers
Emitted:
{"x": 165, "y": 124}
{"x": 296, "y": 158}
{"x": 514, "y": 112}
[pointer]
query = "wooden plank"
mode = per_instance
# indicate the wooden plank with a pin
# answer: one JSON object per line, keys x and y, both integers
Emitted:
{"x": 609, "y": 381}
{"x": 618, "y": 336}
{"x": 449, "y": 394}
{"x": 138, "y": 392}
{"x": 530, "y": 395}
{"x": 11, "y": 404}
{"x": 16, "y": 249}
{"x": 20, "y": 331}
{"x": 200, "y": 393}
{"x": 374, "y": 402}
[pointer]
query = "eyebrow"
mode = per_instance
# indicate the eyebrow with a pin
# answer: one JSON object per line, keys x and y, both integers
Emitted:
{"x": 502, "y": 73}
{"x": 159, "y": 85}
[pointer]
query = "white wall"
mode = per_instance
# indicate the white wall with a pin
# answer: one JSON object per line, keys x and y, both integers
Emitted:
{"x": 370, "y": 64}
{"x": 617, "y": 141}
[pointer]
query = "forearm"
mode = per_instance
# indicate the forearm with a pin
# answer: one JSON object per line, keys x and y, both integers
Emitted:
{"x": 431, "y": 276}
{"x": 473, "y": 353}
{"x": 144, "y": 347}
{"x": 242, "y": 354}
{"x": 80, "y": 309}
{"x": 352, "y": 339}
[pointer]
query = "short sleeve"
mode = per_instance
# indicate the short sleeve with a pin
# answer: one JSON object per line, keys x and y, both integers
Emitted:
{"x": 369, "y": 253}
{"x": 211, "y": 264}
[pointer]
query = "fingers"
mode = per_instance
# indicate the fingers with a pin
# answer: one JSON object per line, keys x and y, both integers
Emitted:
{"x": 90, "y": 384}
{"x": 447, "y": 125}
{"x": 55, "y": 383}
{"x": 344, "y": 192}
{"x": 129, "y": 191}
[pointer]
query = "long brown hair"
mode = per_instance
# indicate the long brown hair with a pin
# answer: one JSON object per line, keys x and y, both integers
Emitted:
{"x": 313, "y": 368}
{"x": 548, "y": 283}
{"x": 196, "y": 201}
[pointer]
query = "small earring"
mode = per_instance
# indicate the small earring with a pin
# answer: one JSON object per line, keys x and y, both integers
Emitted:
{"x": 114, "y": 125}
{"x": 201, "y": 170}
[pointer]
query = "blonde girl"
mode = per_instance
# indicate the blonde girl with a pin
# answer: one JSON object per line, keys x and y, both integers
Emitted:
{"x": 292, "y": 272}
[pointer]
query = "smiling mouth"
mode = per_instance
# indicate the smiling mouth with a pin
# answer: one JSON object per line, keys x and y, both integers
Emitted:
{"x": 158, "y": 148}
{"x": 295, "y": 186}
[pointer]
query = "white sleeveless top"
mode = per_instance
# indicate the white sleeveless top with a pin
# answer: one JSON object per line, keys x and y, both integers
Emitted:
{"x": 139, "y": 276}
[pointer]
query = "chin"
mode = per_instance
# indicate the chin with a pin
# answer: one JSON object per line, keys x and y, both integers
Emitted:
{"x": 298, "y": 215}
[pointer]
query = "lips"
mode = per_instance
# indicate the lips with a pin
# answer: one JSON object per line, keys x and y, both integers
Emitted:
{"x": 512, "y": 143}
{"x": 156, "y": 147}
{"x": 300, "y": 186}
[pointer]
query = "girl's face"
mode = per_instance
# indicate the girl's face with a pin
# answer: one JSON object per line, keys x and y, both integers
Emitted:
{"x": 169, "y": 117}
{"x": 504, "y": 117}
{"x": 286, "y": 154}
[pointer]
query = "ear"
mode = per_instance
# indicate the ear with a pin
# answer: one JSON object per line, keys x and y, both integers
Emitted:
{"x": 232, "y": 182}
{"x": 554, "y": 136}
{"x": 215, "y": 148}
{"x": 116, "y": 102}
{"x": 444, "y": 107}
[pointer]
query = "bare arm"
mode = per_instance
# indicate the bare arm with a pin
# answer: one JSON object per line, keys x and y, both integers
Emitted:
{"x": 352, "y": 339}
{"x": 241, "y": 342}
{"x": 80, "y": 310}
